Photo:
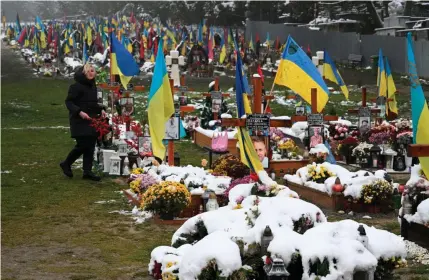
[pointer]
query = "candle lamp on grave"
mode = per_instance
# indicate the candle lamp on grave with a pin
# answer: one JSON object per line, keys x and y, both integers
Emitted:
{"x": 375, "y": 152}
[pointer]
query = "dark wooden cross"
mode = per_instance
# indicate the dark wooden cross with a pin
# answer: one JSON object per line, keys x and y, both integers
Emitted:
{"x": 257, "y": 109}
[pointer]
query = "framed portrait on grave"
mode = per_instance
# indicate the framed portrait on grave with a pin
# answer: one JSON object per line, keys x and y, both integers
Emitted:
{"x": 315, "y": 135}
{"x": 216, "y": 97}
{"x": 262, "y": 148}
{"x": 99, "y": 95}
{"x": 145, "y": 146}
{"x": 300, "y": 111}
{"x": 381, "y": 103}
{"x": 183, "y": 100}
{"x": 127, "y": 106}
{"x": 364, "y": 123}
{"x": 172, "y": 128}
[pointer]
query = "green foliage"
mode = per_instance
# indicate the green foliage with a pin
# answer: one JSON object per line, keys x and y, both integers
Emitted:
{"x": 185, "y": 238}
{"x": 319, "y": 268}
{"x": 295, "y": 267}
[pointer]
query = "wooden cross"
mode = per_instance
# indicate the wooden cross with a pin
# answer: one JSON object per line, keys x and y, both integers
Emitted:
{"x": 184, "y": 109}
{"x": 418, "y": 150}
{"x": 216, "y": 114}
{"x": 276, "y": 123}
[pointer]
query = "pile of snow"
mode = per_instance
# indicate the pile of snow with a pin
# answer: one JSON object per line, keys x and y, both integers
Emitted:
{"x": 216, "y": 246}
{"x": 422, "y": 214}
{"x": 147, "y": 67}
{"x": 339, "y": 242}
{"x": 191, "y": 174}
{"x": 352, "y": 181}
{"x": 319, "y": 148}
{"x": 73, "y": 62}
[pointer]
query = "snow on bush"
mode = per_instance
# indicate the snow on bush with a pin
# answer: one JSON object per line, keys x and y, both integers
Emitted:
{"x": 217, "y": 246}
{"x": 339, "y": 243}
{"x": 422, "y": 214}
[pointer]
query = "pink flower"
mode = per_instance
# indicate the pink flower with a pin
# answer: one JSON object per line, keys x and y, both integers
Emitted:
{"x": 239, "y": 199}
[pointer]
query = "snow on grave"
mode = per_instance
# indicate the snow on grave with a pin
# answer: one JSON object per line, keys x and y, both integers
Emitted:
{"x": 414, "y": 212}
{"x": 301, "y": 238}
{"x": 315, "y": 182}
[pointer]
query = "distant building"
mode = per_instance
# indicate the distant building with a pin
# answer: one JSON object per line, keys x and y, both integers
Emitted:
{"x": 399, "y": 26}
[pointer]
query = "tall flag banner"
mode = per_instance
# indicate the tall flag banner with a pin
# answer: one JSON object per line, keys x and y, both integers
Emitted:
{"x": 419, "y": 108}
{"x": 122, "y": 62}
{"x": 332, "y": 74}
{"x": 267, "y": 41}
{"x": 297, "y": 72}
{"x": 251, "y": 43}
{"x": 248, "y": 154}
{"x": 222, "y": 55}
{"x": 391, "y": 90}
{"x": 381, "y": 76}
{"x": 210, "y": 45}
{"x": 18, "y": 23}
{"x": 84, "y": 53}
{"x": 160, "y": 104}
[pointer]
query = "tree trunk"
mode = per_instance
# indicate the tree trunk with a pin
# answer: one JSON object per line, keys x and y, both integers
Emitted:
{"x": 386, "y": 9}
{"x": 378, "y": 23}
{"x": 408, "y": 7}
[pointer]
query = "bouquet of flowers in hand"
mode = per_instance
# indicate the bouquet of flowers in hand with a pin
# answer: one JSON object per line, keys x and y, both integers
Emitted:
{"x": 362, "y": 150}
{"x": 318, "y": 173}
{"x": 338, "y": 131}
{"x": 377, "y": 192}
{"x": 166, "y": 198}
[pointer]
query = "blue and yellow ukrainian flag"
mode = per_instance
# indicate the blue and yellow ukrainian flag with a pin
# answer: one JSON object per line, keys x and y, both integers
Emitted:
{"x": 419, "y": 108}
{"x": 222, "y": 54}
{"x": 391, "y": 90}
{"x": 381, "y": 76}
{"x": 160, "y": 104}
{"x": 248, "y": 154}
{"x": 122, "y": 62}
{"x": 331, "y": 73}
{"x": 84, "y": 53}
{"x": 297, "y": 72}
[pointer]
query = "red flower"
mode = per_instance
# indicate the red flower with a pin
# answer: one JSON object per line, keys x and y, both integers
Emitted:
{"x": 101, "y": 125}
{"x": 254, "y": 177}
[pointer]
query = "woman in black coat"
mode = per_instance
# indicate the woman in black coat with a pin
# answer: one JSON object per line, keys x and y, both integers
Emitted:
{"x": 82, "y": 105}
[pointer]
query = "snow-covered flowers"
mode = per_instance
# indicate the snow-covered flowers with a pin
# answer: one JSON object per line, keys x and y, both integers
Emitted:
{"x": 362, "y": 150}
{"x": 377, "y": 192}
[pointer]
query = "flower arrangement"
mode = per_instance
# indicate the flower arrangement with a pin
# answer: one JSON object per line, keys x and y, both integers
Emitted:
{"x": 404, "y": 138}
{"x": 229, "y": 165}
{"x": 382, "y": 134}
{"x": 318, "y": 173}
{"x": 377, "y": 192}
{"x": 139, "y": 183}
{"x": 263, "y": 190}
{"x": 137, "y": 171}
{"x": 338, "y": 131}
{"x": 245, "y": 180}
{"x": 286, "y": 144}
{"x": 362, "y": 150}
{"x": 403, "y": 125}
{"x": 166, "y": 198}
